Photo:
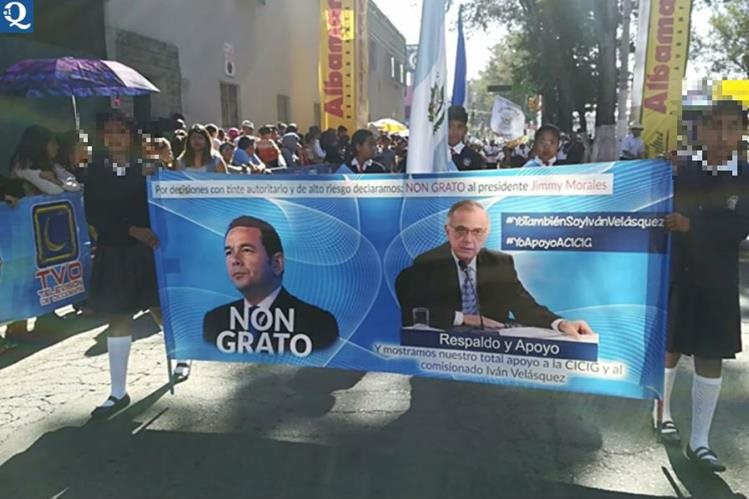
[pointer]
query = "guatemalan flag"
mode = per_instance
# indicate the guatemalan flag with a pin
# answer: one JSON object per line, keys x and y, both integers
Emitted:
{"x": 427, "y": 148}
{"x": 459, "y": 82}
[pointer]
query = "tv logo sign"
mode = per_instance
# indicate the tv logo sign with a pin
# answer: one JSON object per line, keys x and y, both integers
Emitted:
{"x": 18, "y": 17}
{"x": 60, "y": 272}
{"x": 55, "y": 234}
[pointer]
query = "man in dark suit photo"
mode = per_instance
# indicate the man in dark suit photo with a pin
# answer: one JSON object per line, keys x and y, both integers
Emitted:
{"x": 461, "y": 283}
{"x": 267, "y": 318}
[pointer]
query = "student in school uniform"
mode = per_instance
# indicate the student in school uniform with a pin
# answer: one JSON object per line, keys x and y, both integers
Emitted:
{"x": 464, "y": 157}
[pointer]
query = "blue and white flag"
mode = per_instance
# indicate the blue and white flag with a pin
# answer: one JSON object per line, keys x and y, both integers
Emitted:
{"x": 459, "y": 82}
{"x": 508, "y": 119}
{"x": 427, "y": 150}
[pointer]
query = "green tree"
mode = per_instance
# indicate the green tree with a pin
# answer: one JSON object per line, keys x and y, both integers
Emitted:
{"x": 505, "y": 67}
{"x": 571, "y": 52}
{"x": 728, "y": 43}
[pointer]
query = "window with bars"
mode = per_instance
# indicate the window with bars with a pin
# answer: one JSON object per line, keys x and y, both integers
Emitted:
{"x": 229, "y": 104}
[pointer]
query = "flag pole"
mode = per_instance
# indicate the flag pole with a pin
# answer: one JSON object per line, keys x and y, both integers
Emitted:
{"x": 459, "y": 81}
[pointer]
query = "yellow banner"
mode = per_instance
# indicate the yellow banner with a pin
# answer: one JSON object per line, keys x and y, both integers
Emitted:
{"x": 668, "y": 44}
{"x": 338, "y": 75}
{"x": 362, "y": 64}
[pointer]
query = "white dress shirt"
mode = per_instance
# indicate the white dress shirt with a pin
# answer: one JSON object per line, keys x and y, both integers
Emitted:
{"x": 633, "y": 145}
{"x": 538, "y": 163}
{"x": 458, "y": 320}
{"x": 358, "y": 168}
{"x": 457, "y": 148}
{"x": 265, "y": 302}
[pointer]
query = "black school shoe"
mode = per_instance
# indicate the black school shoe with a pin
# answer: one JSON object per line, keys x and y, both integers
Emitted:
{"x": 705, "y": 459}
{"x": 181, "y": 372}
{"x": 668, "y": 433}
{"x": 103, "y": 411}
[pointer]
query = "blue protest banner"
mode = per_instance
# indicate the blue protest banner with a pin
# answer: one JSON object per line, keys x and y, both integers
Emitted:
{"x": 480, "y": 277}
{"x": 45, "y": 255}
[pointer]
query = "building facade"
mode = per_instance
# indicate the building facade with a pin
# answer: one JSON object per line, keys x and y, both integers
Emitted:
{"x": 231, "y": 60}
{"x": 387, "y": 67}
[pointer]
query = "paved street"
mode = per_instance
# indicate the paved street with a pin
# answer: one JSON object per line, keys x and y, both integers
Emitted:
{"x": 237, "y": 430}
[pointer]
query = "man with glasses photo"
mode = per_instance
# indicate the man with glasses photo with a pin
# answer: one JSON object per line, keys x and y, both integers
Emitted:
{"x": 462, "y": 284}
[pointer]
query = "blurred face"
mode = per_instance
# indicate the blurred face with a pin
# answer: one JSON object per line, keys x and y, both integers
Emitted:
{"x": 721, "y": 132}
{"x": 80, "y": 155}
{"x": 227, "y": 152}
{"x": 466, "y": 231}
{"x": 165, "y": 154}
{"x": 636, "y": 132}
{"x": 52, "y": 148}
{"x": 246, "y": 130}
{"x": 197, "y": 141}
{"x": 547, "y": 146}
{"x": 367, "y": 150}
{"x": 148, "y": 146}
{"x": 248, "y": 264}
{"x": 456, "y": 131}
{"x": 116, "y": 136}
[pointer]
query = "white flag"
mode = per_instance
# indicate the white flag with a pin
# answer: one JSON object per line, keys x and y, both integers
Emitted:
{"x": 508, "y": 119}
{"x": 427, "y": 145}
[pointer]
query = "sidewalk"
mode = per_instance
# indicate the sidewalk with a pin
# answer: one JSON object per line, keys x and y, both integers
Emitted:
{"x": 240, "y": 430}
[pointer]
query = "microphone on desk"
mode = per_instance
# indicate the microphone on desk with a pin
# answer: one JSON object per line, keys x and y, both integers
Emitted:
{"x": 464, "y": 267}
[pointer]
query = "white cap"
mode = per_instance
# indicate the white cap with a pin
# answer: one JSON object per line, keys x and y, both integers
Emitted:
{"x": 248, "y": 123}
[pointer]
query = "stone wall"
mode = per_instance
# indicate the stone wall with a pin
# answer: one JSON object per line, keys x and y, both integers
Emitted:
{"x": 159, "y": 62}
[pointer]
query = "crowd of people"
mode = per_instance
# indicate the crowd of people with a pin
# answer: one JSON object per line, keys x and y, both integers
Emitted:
{"x": 51, "y": 163}
{"x": 111, "y": 172}
{"x": 280, "y": 148}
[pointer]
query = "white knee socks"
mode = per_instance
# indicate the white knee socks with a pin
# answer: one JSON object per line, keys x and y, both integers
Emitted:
{"x": 669, "y": 376}
{"x": 119, "y": 352}
{"x": 705, "y": 393}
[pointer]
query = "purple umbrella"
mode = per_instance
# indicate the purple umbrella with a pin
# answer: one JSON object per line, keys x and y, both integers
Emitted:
{"x": 68, "y": 76}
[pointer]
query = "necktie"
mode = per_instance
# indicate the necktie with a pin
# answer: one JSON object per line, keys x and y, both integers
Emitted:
{"x": 470, "y": 305}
